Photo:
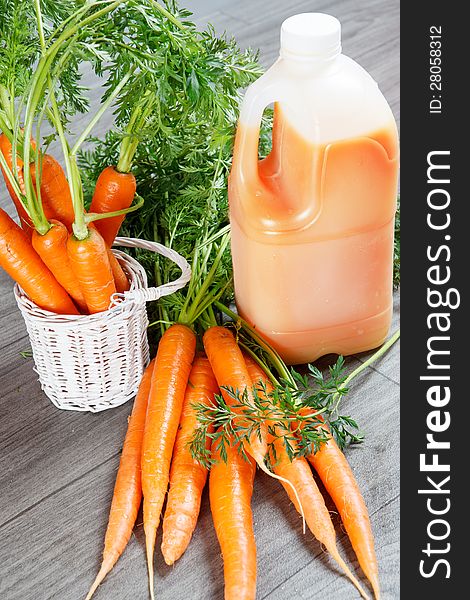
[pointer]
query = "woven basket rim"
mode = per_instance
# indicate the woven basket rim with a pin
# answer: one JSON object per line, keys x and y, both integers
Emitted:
{"x": 138, "y": 294}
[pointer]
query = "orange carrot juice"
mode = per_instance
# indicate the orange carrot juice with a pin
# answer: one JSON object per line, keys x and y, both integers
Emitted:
{"x": 312, "y": 240}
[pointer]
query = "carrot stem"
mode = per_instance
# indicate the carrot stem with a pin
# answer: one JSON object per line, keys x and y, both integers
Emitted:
{"x": 168, "y": 15}
{"x": 259, "y": 362}
{"x": 189, "y": 315}
{"x": 39, "y": 80}
{"x": 104, "y": 107}
{"x": 90, "y": 217}
{"x": 275, "y": 358}
{"x": 42, "y": 41}
{"x": 131, "y": 141}
{"x": 5, "y": 126}
{"x": 380, "y": 352}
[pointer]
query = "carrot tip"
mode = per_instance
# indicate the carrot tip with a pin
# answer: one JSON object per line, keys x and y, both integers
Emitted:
{"x": 265, "y": 469}
{"x": 150, "y": 546}
{"x": 174, "y": 545}
{"x": 104, "y": 570}
{"x": 336, "y": 556}
{"x": 169, "y": 554}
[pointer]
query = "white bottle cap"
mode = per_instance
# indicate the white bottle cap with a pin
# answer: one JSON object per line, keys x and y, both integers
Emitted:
{"x": 311, "y": 36}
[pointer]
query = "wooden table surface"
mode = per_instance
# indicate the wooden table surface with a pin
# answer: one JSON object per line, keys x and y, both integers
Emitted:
{"x": 57, "y": 468}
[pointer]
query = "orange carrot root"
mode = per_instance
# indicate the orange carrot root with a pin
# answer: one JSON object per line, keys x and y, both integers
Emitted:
{"x": 128, "y": 488}
{"x": 316, "y": 513}
{"x": 90, "y": 264}
{"x": 338, "y": 479}
{"x": 187, "y": 476}
{"x": 23, "y": 264}
{"x": 113, "y": 191}
{"x": 54, "y": 190}
{"x": 150, "y": 535}
{"x": 230, "y": 370}
{"x": 299, "y": 475}
{"x": 230, "y": 491}
{"x": 120, "y": 278}
{"x": 52, "y": 248}
{"x": 169, "y": 380}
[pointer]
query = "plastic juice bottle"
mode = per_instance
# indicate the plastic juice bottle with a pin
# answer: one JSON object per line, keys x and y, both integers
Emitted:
{"x": 313, "y": 223}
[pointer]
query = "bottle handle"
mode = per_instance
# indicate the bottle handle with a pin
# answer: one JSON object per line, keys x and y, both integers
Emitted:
{"x": 258, "y": 96}
{"x": 269, "y": 206}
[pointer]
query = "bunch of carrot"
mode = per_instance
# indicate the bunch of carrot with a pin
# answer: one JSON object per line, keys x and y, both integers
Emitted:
{"x": 61, "y": 268}
{"x": 61, "y": 255}
{"x": 156, "y": 463}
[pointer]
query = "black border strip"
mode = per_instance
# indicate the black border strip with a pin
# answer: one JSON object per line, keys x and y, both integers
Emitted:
{"x": 431, "y": 253}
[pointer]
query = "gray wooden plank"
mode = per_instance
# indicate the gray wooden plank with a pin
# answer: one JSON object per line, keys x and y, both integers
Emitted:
{"x": 45, "y": 448}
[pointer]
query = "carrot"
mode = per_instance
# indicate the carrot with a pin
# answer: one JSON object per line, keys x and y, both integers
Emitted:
{"x": 230, "y": 491}
{"x": 120, "y": 278}
{"x": 90, "y": 264}
{"x": 169, "y": 380}
{"x": 23, "y": 264}
{"x": 230, "y": 371}
{"x": 113, "y": 191}
{"x": 187, "y": 476}
{"x": 52, "y": 248}
{"x": 299, "y": 474}
{"x": 338, "y": 478}
{"x": 55, "y": 191}
{"x": 127, "y": 490}
{"x": 6, "y": 150}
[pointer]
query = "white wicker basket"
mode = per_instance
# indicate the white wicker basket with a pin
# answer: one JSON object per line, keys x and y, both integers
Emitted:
{"x": 95, "y": 362}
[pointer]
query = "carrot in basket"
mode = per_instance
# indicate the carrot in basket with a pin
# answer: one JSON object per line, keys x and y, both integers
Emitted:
{"x": 338, "y": 479}
{"x": 52, "y": 248}
{"x": 90, "y": 264}
{"x": 23, "y": 264}
{"x": 6, "y": 150}
{"x": 54, "y": 190}
{"x": 120, "y": 278}
{"x": 187, "y": 475}
{"x": 169, "y": 380}
{"x": 128, "y": 489}
{"x": 299, "y": 474}
{"x": 113, "y": 191}
{"x": 230, "y": 491}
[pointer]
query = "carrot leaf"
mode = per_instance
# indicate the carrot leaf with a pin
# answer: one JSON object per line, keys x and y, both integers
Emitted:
{"x": 298, "y": 413}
